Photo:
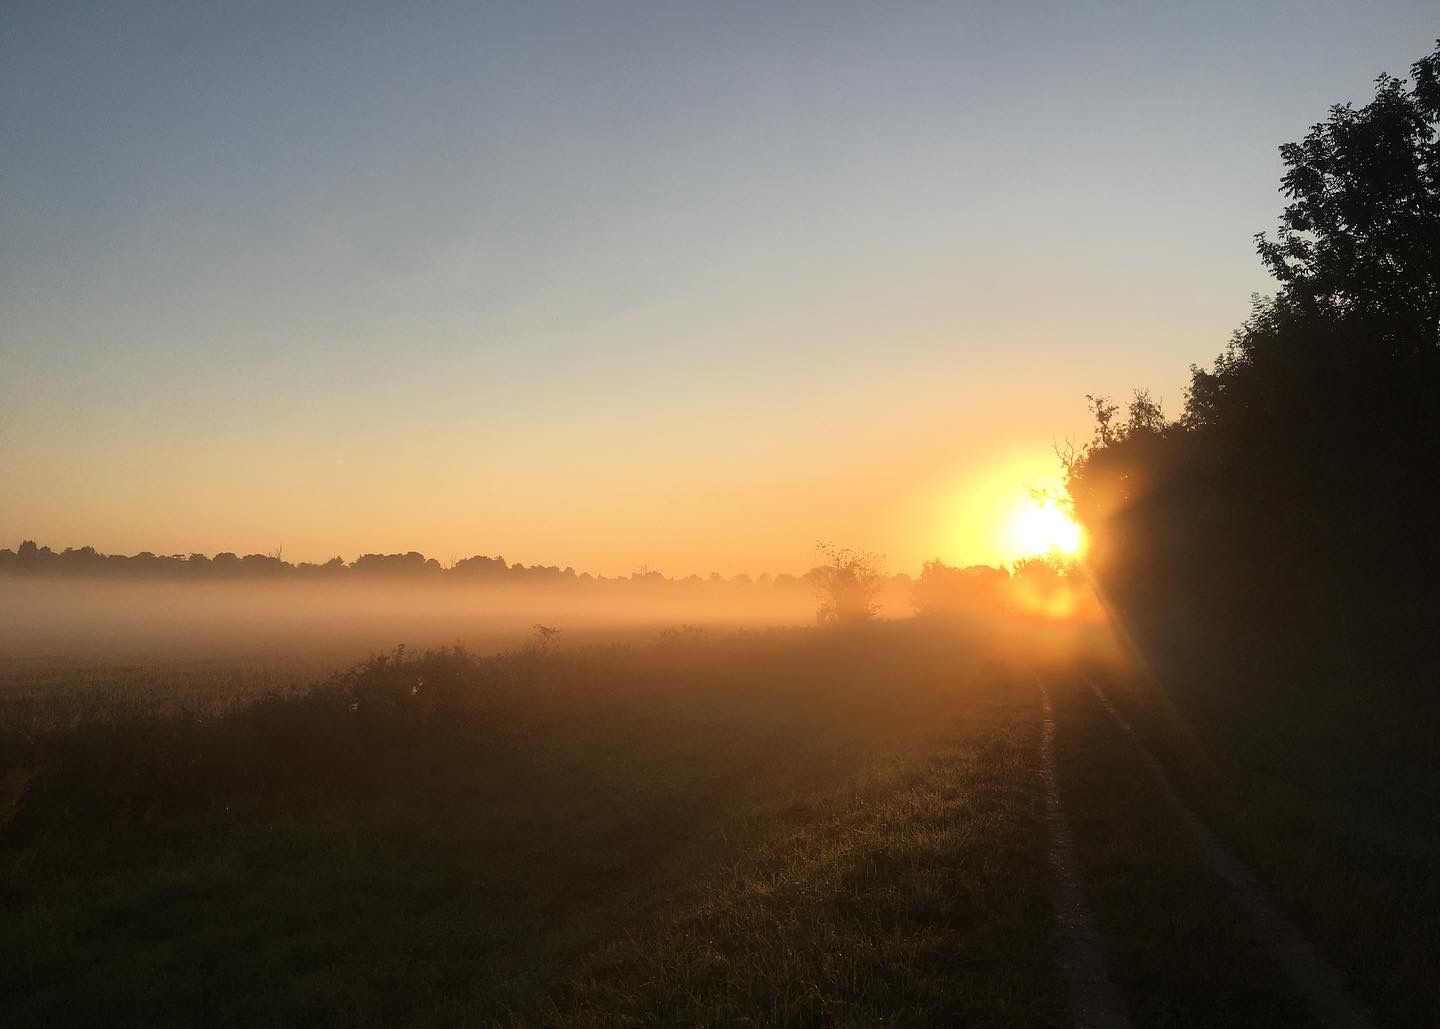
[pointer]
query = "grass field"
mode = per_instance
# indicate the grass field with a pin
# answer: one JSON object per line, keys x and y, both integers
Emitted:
{"x": 779, "y": 827}
{"x": 1327, "y": 789}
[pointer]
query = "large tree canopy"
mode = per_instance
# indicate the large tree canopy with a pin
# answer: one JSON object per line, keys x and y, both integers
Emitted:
{"x": 1360, "y": 238}
{"x": 1305, "y": 458}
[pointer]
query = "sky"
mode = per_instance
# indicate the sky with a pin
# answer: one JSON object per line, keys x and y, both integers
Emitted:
{"x": 612, "y": 285}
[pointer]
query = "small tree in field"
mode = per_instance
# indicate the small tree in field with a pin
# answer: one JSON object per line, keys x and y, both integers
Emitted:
{"x": 544, "y": 639}
{"x": 848, "y": 584}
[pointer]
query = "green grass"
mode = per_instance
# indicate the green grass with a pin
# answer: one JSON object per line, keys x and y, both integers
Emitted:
{"x": 1179, "y": 946}
{"x": 1329, "y": 792}
{"x": 780, "y": 828}
{"x": 788, "y": 827}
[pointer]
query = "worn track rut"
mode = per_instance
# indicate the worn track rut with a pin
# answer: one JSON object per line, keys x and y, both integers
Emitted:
{"x": 1095, "y": 1003}
{"x": 1312, "y": 978}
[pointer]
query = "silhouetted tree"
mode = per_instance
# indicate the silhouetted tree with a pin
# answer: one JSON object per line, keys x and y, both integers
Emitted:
{"x": 1301, "y": 480}
{"x": 848, "y": 583}
{"x": 1360, "y": 240}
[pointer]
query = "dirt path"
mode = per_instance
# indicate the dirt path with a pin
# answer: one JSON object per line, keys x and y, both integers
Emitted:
{"x": 1094, "y": 1001}
{"x": 1313, "y": 979}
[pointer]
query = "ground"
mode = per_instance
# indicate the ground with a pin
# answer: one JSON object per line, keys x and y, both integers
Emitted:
{"x": 781, "y": 827}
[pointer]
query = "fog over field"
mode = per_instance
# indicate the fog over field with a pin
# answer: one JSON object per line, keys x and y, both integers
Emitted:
{"x": 89, "y": 620}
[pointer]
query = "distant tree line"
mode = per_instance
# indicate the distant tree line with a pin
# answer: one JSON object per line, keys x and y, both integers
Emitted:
{"x": 412, "y": 567}
{"x": 1296, "y": 494}
{"x": 1048, "y": 585}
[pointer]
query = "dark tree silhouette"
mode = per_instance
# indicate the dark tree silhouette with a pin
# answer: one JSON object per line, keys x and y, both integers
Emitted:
{"x": 1360, "y": 239}
{"x": 1301, "y": 479}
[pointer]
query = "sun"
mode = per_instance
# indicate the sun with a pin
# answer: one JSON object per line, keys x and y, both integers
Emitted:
{"x": 1042, "y": 527}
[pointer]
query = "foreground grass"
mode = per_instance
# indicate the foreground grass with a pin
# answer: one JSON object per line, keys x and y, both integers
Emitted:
{"x": 778, "y": 829}
{"x": 1331, "y": 802}
{"x": 1325, "y": 786}
{"x": 1179, "y": 944}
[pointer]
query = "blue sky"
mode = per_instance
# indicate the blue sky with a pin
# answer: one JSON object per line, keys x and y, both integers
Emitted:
{"x": 618, "y": 284}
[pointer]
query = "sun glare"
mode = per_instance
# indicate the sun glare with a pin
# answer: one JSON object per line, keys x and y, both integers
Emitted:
{"x": 1041, "y": 527}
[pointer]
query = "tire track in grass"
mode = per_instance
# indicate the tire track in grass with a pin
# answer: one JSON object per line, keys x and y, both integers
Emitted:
{"x": 1095, "y": 1003}
{"x": 1314, "y": 980}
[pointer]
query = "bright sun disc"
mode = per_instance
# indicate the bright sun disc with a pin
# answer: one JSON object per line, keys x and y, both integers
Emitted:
{"x": 1041, "y": 528}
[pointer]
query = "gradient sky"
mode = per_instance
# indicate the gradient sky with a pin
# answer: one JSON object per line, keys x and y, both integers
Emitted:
{"x": 610, "y": 284}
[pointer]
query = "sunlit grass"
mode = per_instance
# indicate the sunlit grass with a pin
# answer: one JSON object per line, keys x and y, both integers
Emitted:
{"x": 775, "y": 828}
